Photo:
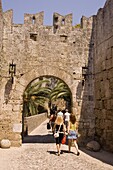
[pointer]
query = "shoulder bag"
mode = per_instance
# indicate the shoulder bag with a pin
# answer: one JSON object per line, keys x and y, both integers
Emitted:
{"x": 56, "y": 134}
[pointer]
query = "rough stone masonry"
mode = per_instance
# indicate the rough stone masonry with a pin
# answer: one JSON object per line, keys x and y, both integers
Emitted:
{"x": 62, "y": 51}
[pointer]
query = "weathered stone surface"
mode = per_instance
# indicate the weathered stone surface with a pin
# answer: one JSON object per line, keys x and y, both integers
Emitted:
{"x": 103, "y": 64}
{"x": 93, "y": 146}
{"x": 61, "y": 50}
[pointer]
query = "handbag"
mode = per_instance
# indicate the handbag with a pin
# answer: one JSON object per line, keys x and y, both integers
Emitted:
{"x": 56, "y": 134}
{"x": 48, "y": 126}
{"x": 64, "y": 139}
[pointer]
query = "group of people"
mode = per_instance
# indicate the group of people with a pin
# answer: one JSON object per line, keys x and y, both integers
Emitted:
{"x": 65, "y": 124}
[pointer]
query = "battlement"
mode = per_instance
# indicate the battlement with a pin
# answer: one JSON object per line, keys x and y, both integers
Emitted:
{"x": 59, "y": 21}
{"x": 87, "y": 23}
{"x": 34, "y": 19}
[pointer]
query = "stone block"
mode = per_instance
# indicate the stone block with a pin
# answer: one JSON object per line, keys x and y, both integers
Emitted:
{"x": 110, "y": 73}
{"x": 93, "y": 146}
{"x": 109, "y": 64}
{"x": 103, "y": 65}
{"x": 17, "y": 127}
{"x": 17, "y": 143}
{"x": 5, "y": 143}
{"x": 109, "y": 53}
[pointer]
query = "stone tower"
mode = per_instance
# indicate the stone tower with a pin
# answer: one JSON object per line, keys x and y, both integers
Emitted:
{"x": 103, "y": 65}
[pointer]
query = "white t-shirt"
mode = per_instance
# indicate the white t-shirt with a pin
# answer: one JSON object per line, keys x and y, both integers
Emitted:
{"x": 67, "y": 116}
{"x": 60, "y": 113}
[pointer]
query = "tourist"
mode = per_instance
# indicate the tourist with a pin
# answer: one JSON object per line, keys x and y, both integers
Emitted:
{"x": 66, "y": 119}
{"x": 72, "y": 133}
{"x": 59, "y": 127}
{"x": 60, "y": 113}
{"x": 52, "y": 120}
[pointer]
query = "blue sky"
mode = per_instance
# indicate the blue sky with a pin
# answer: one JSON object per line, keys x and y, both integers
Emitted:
{"x": 78, "y": 8}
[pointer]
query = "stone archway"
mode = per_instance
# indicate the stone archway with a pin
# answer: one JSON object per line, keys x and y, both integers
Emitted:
{"x": 25, "y": 79}
{"x": 36, "y": 109}
{"x": 21, "y": 84}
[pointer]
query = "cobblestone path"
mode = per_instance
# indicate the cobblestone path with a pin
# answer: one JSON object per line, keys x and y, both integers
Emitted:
{"x": 38, "y": 153}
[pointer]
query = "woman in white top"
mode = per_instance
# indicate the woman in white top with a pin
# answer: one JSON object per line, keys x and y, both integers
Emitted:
{"x": 66, "y": 118}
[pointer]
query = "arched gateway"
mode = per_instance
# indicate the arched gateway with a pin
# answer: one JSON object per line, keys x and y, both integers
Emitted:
{"x": 31, "y": 50}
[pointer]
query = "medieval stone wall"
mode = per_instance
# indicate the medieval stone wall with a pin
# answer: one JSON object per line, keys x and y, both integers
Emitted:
{"x": 61, "y": 51}
{"x": 103, "y": 64}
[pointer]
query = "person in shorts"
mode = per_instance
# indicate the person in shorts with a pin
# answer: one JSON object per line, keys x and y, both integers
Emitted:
{"x": 72, "y": 134}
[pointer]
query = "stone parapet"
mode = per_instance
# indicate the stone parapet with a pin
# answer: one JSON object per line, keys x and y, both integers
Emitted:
{"x": 33, "y": 121}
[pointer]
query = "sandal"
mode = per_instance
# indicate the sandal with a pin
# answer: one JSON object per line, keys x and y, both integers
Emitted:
{"x": 78, "y": 153}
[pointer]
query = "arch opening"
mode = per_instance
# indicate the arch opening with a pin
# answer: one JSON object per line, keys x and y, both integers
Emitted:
{"x": 43, "y": 95}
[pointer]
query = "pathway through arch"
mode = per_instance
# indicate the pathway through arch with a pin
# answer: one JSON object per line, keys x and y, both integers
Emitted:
{"x": 38, "y": 153}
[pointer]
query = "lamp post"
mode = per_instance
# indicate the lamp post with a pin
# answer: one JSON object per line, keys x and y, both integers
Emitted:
{"x": 12, "y": 71}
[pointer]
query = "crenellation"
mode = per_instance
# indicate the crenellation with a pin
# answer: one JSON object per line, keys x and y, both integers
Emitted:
{"x": 68, "y": 20}
{"x": 86, "y": 23}
{"x": 8, "y": 21}
{"x": 59, "y": 20}
{"x": 34, "y": 19}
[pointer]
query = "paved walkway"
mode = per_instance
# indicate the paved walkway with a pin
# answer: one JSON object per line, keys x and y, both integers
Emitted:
{"x": 38, "y": 153}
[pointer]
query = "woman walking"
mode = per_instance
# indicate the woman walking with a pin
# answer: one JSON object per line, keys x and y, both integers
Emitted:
{"x": 60, "y": 128}
{"x": 72, "y": 133}
{"x": 52, "y": 120}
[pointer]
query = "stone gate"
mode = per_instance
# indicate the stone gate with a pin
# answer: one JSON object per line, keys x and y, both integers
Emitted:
{"x": 63, "y": 51}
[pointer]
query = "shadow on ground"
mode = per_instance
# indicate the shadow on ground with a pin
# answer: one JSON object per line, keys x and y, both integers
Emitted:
{"x": 105, "y": 157}
{"x": 54, "y": 152}
{"x": 49, "y": 138}
{"x": 39, "y": 139}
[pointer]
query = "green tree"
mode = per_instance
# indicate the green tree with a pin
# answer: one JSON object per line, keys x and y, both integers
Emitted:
{"x": 61, "y": 90}
{"x": 36, "y": 94}
{"x": 42, "y": 93}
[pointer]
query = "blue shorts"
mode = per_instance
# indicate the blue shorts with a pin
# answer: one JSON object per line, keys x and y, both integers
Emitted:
{"x": 72, "y": 134}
